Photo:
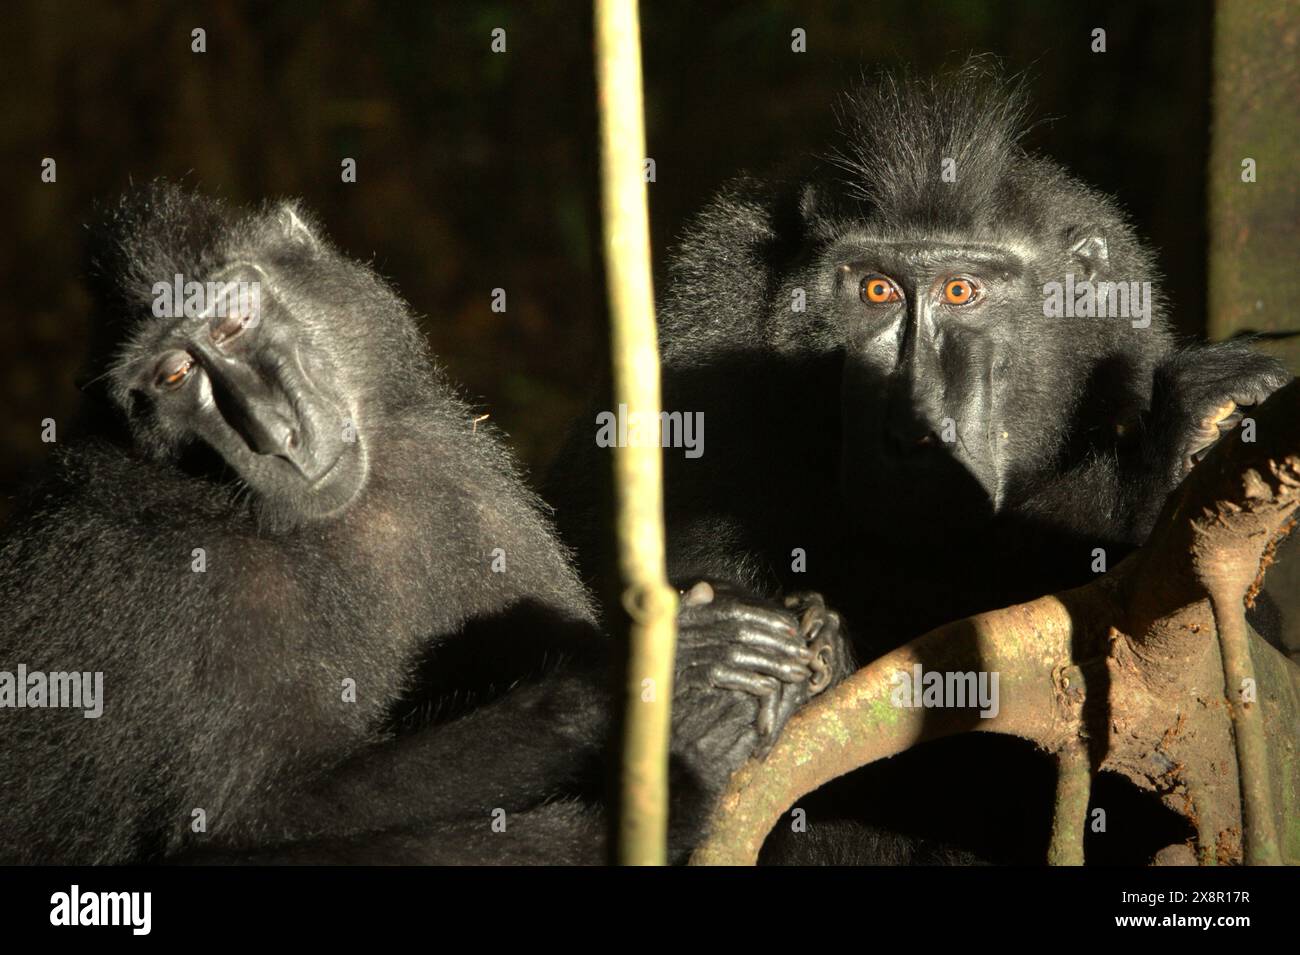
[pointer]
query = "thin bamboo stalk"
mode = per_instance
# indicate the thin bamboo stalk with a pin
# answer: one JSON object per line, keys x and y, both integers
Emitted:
{"x": 650, "y": 602}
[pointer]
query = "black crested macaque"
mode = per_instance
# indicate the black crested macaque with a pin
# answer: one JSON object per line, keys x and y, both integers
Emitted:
{"x": 937, "y": 377}
{"x": 330, "y": 621}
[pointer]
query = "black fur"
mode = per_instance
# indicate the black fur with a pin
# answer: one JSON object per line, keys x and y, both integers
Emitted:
{"x": 821, "y": 423}
{"x": 476, "y": 690}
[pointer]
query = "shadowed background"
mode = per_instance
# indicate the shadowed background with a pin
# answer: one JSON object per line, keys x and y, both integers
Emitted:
{"x": 478, "y": 170}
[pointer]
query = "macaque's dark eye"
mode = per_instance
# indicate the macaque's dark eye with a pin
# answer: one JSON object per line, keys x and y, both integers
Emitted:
{"x": 174, "y": 369}
{"x": 879, "y": 290}
{"x": 224, "y": 329}
{"x": 960, "y": 291}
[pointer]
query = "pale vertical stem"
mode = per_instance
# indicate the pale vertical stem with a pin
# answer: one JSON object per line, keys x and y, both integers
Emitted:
{"x": 1258, "y": 819}
{"x": 1070, "y": 817}
{"x": 650, "y": 602}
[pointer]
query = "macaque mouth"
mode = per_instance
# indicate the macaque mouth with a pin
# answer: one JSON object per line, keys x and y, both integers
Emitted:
{"x": 321, "y": 481}
{"x": 300, "y": 448}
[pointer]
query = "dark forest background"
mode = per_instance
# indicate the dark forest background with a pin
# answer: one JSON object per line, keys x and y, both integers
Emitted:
{"x": 479, "y": 170}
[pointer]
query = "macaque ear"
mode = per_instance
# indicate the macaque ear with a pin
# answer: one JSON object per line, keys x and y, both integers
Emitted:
{"x": 1088, "y": 247}
{"x": 295, "y": 226}
{"x": 798, "y": 215}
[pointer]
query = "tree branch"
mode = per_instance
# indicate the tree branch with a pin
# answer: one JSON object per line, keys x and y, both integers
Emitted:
{"x": 1126, "y": 669}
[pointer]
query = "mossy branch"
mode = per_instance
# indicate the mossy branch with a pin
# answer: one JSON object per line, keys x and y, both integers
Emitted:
{"x": 1126, "y": 669}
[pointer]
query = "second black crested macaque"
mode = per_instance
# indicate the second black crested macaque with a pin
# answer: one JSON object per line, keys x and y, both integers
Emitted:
{"x": 938, "y": 379}
{"x": 331, "y": 622}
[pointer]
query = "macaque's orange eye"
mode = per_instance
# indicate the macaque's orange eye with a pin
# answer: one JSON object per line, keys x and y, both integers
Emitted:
{"x": 960, "y": 291}
{"x": 878, "y": 290}
{"x": 174, "y": 369}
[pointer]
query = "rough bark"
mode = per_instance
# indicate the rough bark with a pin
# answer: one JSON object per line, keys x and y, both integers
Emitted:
{"x": 1124, "y": 674}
